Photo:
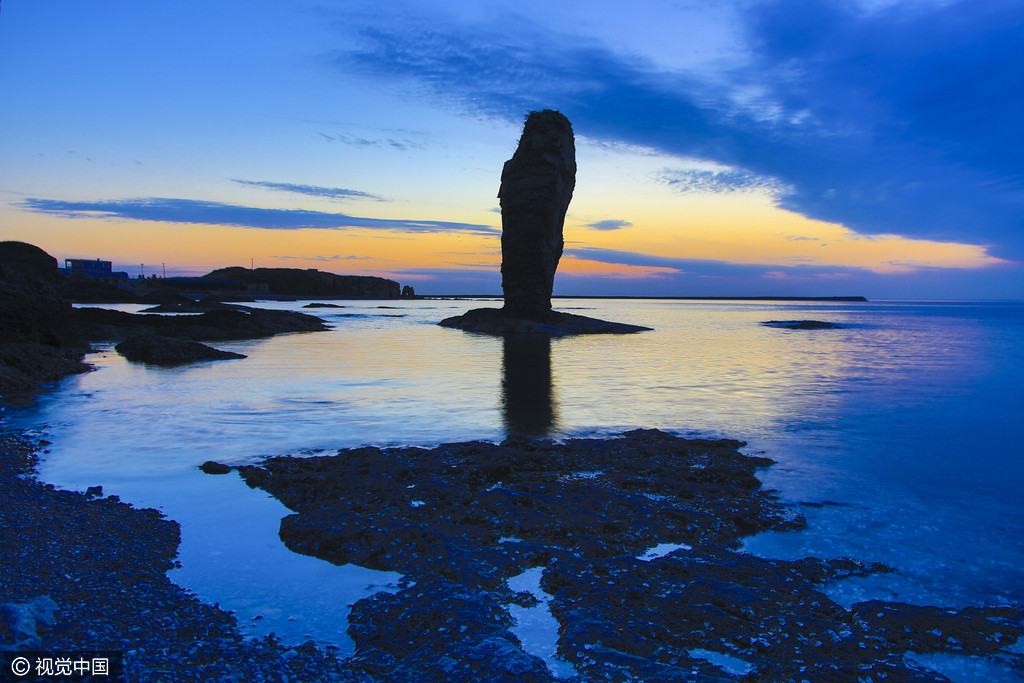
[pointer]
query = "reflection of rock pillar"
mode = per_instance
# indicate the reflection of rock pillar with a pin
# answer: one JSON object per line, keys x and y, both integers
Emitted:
{"x": 536, "y": 188}
{"x": 526, "y": 385}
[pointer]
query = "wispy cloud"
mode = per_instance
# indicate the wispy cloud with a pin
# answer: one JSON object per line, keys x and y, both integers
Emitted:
{"x": 902, "y": 120}
{"x": 311, "y": 190}
{"x": 610, "y": 224}
{"x": 726, "y": 180}
{"x": 401, "y": 144}
{"x": 194, "y": 211}
{"x": 700, "y": 267}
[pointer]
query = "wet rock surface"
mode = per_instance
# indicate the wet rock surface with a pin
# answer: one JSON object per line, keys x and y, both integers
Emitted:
{"x": 498, "y": 321}
{"x": 460, "y": 520}
{"x": 158, "y": 350}
{"x": 240, "y": 322}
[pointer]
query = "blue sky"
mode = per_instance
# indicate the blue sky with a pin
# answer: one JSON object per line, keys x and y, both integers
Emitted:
{"x": 725, "y": 148}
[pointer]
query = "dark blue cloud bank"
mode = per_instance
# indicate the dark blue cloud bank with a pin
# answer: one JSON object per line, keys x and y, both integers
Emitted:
{"x": 215, "y": 213}
{"x": 905, "y": 120}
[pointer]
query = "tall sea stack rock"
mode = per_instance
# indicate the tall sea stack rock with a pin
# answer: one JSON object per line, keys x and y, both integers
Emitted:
{"x": 536, "y": 188}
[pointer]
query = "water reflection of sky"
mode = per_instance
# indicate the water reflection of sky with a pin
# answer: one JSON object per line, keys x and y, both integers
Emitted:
{"x": 906, "y": 417}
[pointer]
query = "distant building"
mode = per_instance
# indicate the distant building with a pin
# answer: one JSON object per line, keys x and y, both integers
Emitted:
{"x": 95, "y": 269}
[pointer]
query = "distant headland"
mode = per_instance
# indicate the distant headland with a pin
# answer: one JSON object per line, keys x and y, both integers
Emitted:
{"x": 662, "y": 298}
{"x": 94, "y": 281}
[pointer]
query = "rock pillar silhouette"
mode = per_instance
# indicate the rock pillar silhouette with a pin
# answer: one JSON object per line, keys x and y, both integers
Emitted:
{"x": 536, "y": 188}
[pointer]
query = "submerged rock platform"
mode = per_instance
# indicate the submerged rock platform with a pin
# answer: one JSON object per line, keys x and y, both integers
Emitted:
{"x": 499, "y": 321}
{"x": 802, "y": 324}
{"x": 631, "y": 546}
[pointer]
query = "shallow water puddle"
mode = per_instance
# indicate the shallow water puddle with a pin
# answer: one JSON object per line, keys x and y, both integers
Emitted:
{"x": 230, "y": 554}
{"x": 661, "y": 550}
{"x": 727, "y": 663}
{"x": 536, "y": 627}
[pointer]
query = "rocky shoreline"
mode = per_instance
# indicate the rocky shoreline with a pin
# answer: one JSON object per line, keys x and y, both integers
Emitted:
{"x": 103, "y": 565}
{"x": 630, "y": 543}
{"x": 43, "y": 338}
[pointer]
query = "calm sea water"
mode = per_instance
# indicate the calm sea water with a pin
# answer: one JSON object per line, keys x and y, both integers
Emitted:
{"x": 902, "y": 430}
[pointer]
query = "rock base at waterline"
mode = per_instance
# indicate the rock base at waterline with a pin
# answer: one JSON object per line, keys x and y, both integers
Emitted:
{"x": 555, "y": 324}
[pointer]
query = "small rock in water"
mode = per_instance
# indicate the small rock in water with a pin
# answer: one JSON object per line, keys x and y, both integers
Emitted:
{"x": 802, "y": 324}
{"x": 211, "y": 467}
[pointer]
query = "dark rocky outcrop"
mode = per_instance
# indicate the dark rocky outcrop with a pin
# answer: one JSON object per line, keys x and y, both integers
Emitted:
{"x": 100, "y": 324}
{"x": 213, "y": 467}
{"x": 461, "y": 519}
{"x": 318, "y": 304}
{"x": 158, "y": 350}
{"x": 536, "y": 187}
{"x": 22, "y": 620}
{"x": 802, "y": 324}
{"x": 81, "y": 289}
{"x": 207, "y": 303}
{"x": 298, "y": 282}
{"x": 38, "y": 341}
{"x": 408, "y": 292}
{"x": 42, "y": 338}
